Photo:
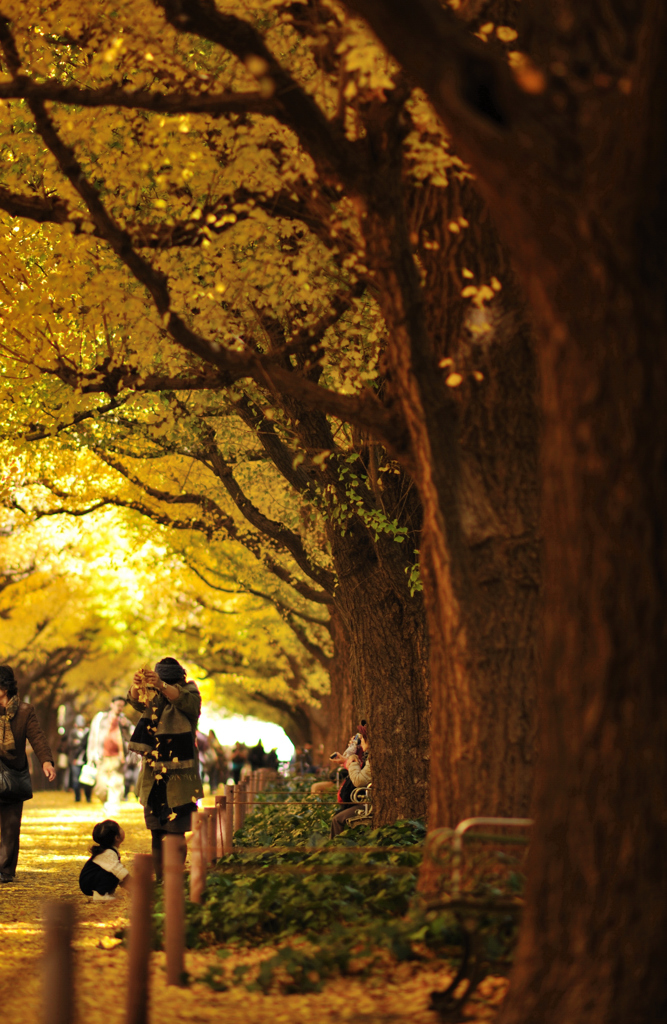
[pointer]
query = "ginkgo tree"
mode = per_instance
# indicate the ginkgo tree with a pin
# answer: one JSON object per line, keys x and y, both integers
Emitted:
{"x": 256, "y": 200}
{"x": 568, "y": 145}
{"x": 165, "y": 452}
{"x": 84, "y": 603}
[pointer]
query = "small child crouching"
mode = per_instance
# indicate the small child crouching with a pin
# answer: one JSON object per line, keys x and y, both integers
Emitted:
{"x": 103, "y": 872}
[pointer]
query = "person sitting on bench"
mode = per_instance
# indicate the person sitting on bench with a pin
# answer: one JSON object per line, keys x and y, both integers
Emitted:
{"x": 359, "y": 770}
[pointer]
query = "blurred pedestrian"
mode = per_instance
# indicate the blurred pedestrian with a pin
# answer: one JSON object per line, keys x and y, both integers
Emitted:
{"x": 18, "y": 723}
{"x": 77, "y": 742}
{"x": 307, "y": 765}
{"x": 62, "y": 762}
{"x": 257, "y": 756}
{"x": 107, "y": 750}
{"x": 272, "y": 759}
{"x": 239, "y": 754}
{"x": 216, "y": 762}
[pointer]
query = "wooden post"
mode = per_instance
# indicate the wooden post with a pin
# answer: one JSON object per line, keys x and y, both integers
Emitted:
{"x": 58, "y": 964}
{"x": 174, "y": 907}
{"x": 229, "y": 841}
{"x": 244, "y": 801}
{"x": 140, "y": 940}
{"x": 211, "y": 815}
{"x": 220, "y": 822}
{"x": 197, "y": 859}
{"x": 238, "y": 796}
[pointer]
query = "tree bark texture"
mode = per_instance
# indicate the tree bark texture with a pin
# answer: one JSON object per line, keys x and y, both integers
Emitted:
{"x": 340, "y": 713}
{"x": 574, "y": 171}
{"x": 475, "y": 460}
{"x": 380, "y": 627}
{"x": 388, "y": 641}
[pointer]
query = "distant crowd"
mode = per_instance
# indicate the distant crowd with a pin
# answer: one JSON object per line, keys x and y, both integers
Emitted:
{"x": 164, "y": 759}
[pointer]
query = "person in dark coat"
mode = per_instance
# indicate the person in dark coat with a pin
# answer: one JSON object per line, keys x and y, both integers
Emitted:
{"x": 169, "y": 784}
{"x": 256, "y": 756}
{"x": 18, "y": 722}
{"x": 77, "y": 743}
{"x": 272, "y": 760}
{"x": 239, "y": 756}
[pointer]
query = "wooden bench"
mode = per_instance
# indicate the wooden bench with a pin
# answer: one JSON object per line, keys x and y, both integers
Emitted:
{"x": 363, "y": 797}
{"x": 471, "y": 912}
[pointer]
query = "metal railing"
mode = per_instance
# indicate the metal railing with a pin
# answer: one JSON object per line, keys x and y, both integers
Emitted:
{"x": 468, "y": 823}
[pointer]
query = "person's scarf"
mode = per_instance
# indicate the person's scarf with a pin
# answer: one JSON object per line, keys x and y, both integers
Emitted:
{"x": 163, "y": 736}
{"x": 7, "y": 744}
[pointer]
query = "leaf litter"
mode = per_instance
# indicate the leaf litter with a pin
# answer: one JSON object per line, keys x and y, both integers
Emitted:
{"x": 55, "y": 842}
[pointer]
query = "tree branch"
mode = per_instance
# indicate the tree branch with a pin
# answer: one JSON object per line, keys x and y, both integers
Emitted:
{"x": 286, "y": 614}
{"x": 39, "y": 432}
{"x": 365, "y": 409}
{"x": 25, "y": 88}
{"x": 280, "y": 533}
{"x": 314, "y": 649}
{"x": 283, "y": 574}
{"x": 332, "y": 152}
{"x": 137, "y": 506}
{"x": 243, "y": 588}
{"x": 221, "y": 519}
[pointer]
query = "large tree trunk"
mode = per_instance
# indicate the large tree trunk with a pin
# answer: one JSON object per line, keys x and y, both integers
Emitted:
{"x": 575, "y": 172}
{"x": 386, "y": 629}
{"x": 475, "y": 448}
{"x": 593, "y": 944}
{"x": 340, "y": 714}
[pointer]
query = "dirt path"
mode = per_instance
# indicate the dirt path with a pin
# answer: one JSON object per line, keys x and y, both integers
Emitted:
{"x": 54, "y": 844}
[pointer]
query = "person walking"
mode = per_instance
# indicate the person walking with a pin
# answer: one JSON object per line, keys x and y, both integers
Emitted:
{"x": 18, "y": 722}
{"x": 169, "y": 784}
{"x": 216, "y": 764}
{"x": 77, "y": 742}
{"x": 107, "y": 749}
{"x": 239, "y": 755}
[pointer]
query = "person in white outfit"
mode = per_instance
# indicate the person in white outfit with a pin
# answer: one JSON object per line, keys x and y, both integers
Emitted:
{"x": 107, "y": 751}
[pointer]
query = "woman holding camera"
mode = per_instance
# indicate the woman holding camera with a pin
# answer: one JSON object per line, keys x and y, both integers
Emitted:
{"x": 169, "y": 784}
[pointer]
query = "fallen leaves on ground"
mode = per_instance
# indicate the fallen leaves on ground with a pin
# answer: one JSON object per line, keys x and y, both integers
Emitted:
{"x": 55, "y": 842}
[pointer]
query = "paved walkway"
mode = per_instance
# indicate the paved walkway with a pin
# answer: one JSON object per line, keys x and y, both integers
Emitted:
{"x": 55, "y": 841}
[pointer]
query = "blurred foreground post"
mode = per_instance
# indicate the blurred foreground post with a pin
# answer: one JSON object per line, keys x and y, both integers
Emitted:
{"x": 139, "y": 951}
{"x": 229, "y": 841}
{"x": 243, "y": 798}
{"x": 238, "y": 797}
{"x": 174, "y": 907}
{"x": 220, "y": 819}
{"x": 58, "y": 965}
{"x": 211, "y": 815}
{"x": 197, "y": 858}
